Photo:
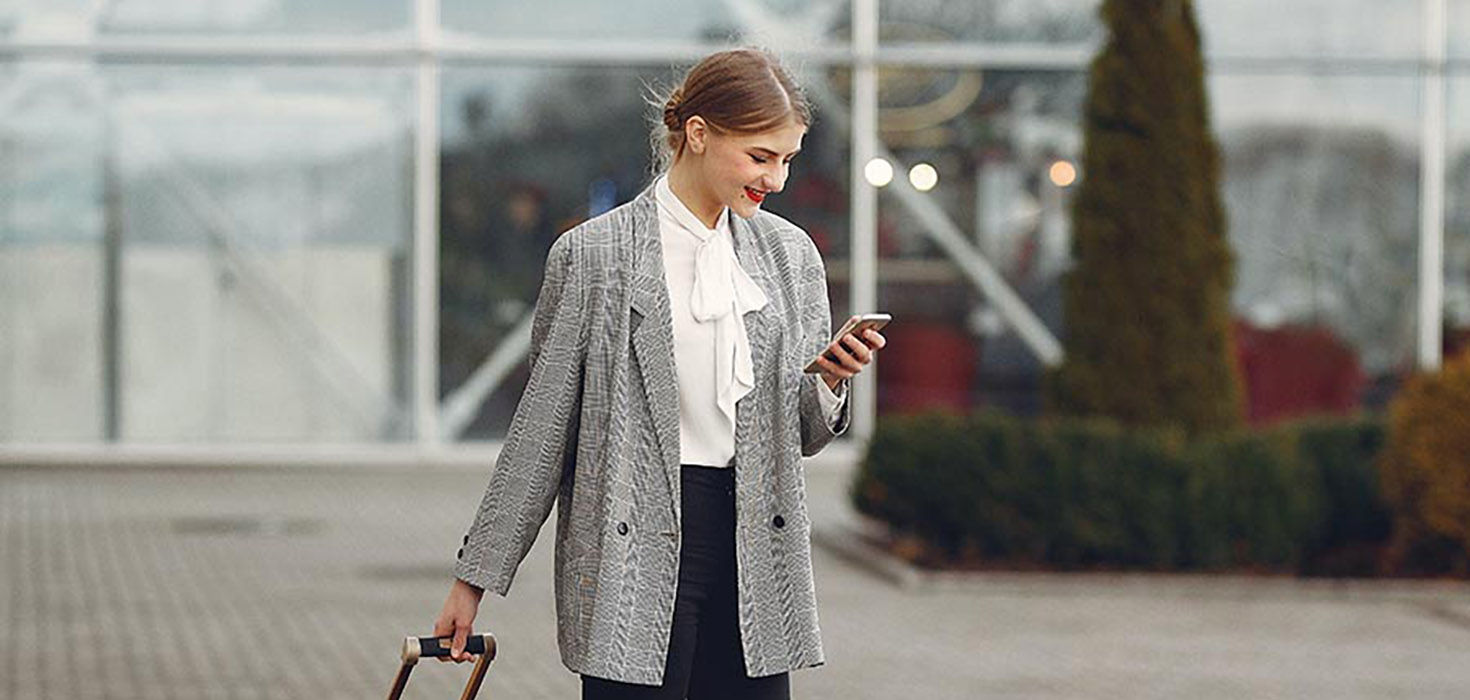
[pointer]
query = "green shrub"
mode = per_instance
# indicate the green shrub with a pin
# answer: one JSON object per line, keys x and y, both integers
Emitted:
{"x": 1113, "y": 494}
{"x": 1252, "y": 503}
{"x": 930, "y": 473}
{"x": 1070, "y": 493}
{"x": 1356, "y": 520}
{"x": 1064, "y": 493}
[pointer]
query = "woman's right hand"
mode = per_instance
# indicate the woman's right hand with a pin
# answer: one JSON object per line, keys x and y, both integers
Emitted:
{"x": 457, "y": 617}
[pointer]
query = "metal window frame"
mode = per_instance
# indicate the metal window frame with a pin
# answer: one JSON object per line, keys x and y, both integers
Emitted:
{"x": 1432, "y": 224}
{"x": 427, "y": 46}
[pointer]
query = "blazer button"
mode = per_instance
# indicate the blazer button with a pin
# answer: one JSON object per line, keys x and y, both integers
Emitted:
{"x": 460, "y": 555}
{"x": 780, "y": 521}
{"x": 623, "y": 528}
{"x": 466, "y": 539}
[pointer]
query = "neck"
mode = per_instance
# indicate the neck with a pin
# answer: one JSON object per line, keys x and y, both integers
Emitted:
{"x": 685, "y": 185}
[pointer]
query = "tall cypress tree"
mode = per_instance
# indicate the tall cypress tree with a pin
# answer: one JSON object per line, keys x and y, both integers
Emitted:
{"x": 1148, "y": 301}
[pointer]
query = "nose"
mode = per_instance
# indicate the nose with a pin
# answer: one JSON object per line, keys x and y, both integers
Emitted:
{"x": 775, "y": 182}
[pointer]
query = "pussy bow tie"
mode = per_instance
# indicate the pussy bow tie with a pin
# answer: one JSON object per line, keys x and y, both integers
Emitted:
{"x": 722, "y": 294}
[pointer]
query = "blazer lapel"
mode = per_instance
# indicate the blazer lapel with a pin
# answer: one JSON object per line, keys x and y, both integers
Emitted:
{"x": 758, "y": 327}
{"x": 653, "y": 333}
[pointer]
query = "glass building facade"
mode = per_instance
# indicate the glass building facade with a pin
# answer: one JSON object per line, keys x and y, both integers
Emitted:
{"x": 281, "y": 221}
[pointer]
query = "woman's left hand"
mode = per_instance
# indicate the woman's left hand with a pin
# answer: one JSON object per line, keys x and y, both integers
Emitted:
{"x": 851, "y": 353}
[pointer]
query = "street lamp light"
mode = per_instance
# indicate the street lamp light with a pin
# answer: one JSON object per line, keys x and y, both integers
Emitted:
{"x": 879, "y": 172}
{"x": 923, "y": 177}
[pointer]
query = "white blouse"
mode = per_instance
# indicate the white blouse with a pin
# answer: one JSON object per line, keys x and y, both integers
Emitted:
{"x": 709, "y": 293}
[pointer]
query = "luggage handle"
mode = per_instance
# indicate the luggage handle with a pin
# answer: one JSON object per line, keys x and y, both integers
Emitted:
{"x": 416, "y": 647}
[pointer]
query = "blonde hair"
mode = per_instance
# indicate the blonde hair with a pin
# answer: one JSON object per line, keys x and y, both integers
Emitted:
{"x": 741, "y": 91}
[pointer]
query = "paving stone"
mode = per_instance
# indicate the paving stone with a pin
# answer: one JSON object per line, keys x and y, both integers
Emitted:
{"x": 301, "y": 583}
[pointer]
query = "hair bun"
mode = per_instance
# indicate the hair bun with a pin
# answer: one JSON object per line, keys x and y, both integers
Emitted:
{"x": 671, "y": 109}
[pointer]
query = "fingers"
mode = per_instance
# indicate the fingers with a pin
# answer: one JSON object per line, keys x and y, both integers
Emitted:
{"x": 456, "y": 647}
{"x": 851, "y": 354}
{"x": 455, "y": 623}
{"x": 845, "y": 354}
{"x": 860, "y": 349}
{"x": 442, "y": 627}
{"x": 839, "y": 367}
{"x": 875, "y": 339}
{"x": 845, "y": 365}
{"x": 829, "y": 367}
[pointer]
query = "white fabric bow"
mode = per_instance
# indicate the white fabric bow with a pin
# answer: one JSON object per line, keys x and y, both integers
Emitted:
{"x": 722, "y": 294}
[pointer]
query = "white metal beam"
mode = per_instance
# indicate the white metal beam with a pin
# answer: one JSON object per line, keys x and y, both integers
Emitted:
{"x": 1006, "y": 55}
{"x": 404, "y": 47}
{"x": 863, "y": 284}
{"x": 425, "y": 384}
{"x": 388, "y": 47}
{"x": 1431, "y": 188}
{"x": 945, "y": 232}
{"x": 393, "y": 47}
{"x": 461, "y": 406}
{"x": 655, "y": 52}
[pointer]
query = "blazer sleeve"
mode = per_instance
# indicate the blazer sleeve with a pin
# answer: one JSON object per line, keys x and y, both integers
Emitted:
{"x": 541, "y": 445}
{"x": 818, "y": 426}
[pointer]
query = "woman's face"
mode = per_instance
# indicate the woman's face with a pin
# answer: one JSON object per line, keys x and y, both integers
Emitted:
{"x": 740, "y": 170}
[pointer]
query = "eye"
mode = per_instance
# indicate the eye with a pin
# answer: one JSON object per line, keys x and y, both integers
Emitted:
{"x": 757, "y": 159}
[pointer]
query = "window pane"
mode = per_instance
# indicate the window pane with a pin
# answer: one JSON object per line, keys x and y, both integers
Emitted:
{"x": 50, "y": 138}
{"x": 72, "y": 19}
{"x": 770, "y": 22}
{"x": 1311, "y": 28}
{"x": 1322, "y": 195}
{"x": 1044, "y": 21}
{"x": 312, "y": 155}
{"x": 265, "y": 215}
{"x": 992, "y": 138}
{"x": 1321, "y": 190}
{"x": 51, "y": 257}
{"x": 1250, "y": 28}
{"x": 1457, "y": 207}
{"x": 263, "y": 219}
{"x": 1458, "y": 29}
{"x": 530, "y": 152}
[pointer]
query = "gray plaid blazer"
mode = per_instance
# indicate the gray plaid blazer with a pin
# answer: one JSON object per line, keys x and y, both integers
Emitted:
{"x": 597, "y": 431}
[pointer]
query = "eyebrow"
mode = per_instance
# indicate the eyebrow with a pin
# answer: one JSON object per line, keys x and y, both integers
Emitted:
{"x": 767, "y": 150}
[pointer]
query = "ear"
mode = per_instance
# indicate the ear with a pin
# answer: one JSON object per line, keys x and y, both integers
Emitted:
{"x": 696, "y": 131}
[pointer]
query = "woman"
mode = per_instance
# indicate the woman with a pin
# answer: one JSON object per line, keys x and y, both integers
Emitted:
{"x": 667, "y": 413}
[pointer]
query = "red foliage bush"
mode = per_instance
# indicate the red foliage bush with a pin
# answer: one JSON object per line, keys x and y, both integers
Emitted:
{"x": 1295, "y": 371}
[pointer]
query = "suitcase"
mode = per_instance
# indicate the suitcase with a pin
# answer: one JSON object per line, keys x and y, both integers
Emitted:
{"x": 416, "y": 647}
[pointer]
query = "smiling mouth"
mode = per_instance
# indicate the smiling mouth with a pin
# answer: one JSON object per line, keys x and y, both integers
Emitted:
{"x": 755, "y": 195}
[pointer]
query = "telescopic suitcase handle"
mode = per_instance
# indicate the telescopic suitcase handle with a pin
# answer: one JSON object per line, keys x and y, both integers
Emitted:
{"x": 416, "y": 647}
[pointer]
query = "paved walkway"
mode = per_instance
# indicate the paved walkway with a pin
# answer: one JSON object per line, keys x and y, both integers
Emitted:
{"x": 301, "y": 583}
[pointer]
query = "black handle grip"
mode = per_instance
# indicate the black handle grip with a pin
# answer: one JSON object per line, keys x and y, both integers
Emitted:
{"x": 419, "y": 647}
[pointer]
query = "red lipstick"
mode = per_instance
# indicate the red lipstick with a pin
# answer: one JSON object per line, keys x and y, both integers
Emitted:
{"x": 755, "y": 196}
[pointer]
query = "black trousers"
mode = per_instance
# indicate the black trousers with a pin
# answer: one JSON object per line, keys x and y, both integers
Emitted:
{"x": 705, "y": 660}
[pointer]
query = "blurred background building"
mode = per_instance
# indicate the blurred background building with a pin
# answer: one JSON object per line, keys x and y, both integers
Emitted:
{"x": 244, "y": 222}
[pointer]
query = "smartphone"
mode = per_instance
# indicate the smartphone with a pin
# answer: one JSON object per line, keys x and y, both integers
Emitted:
{"x": 855, "y": 324}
